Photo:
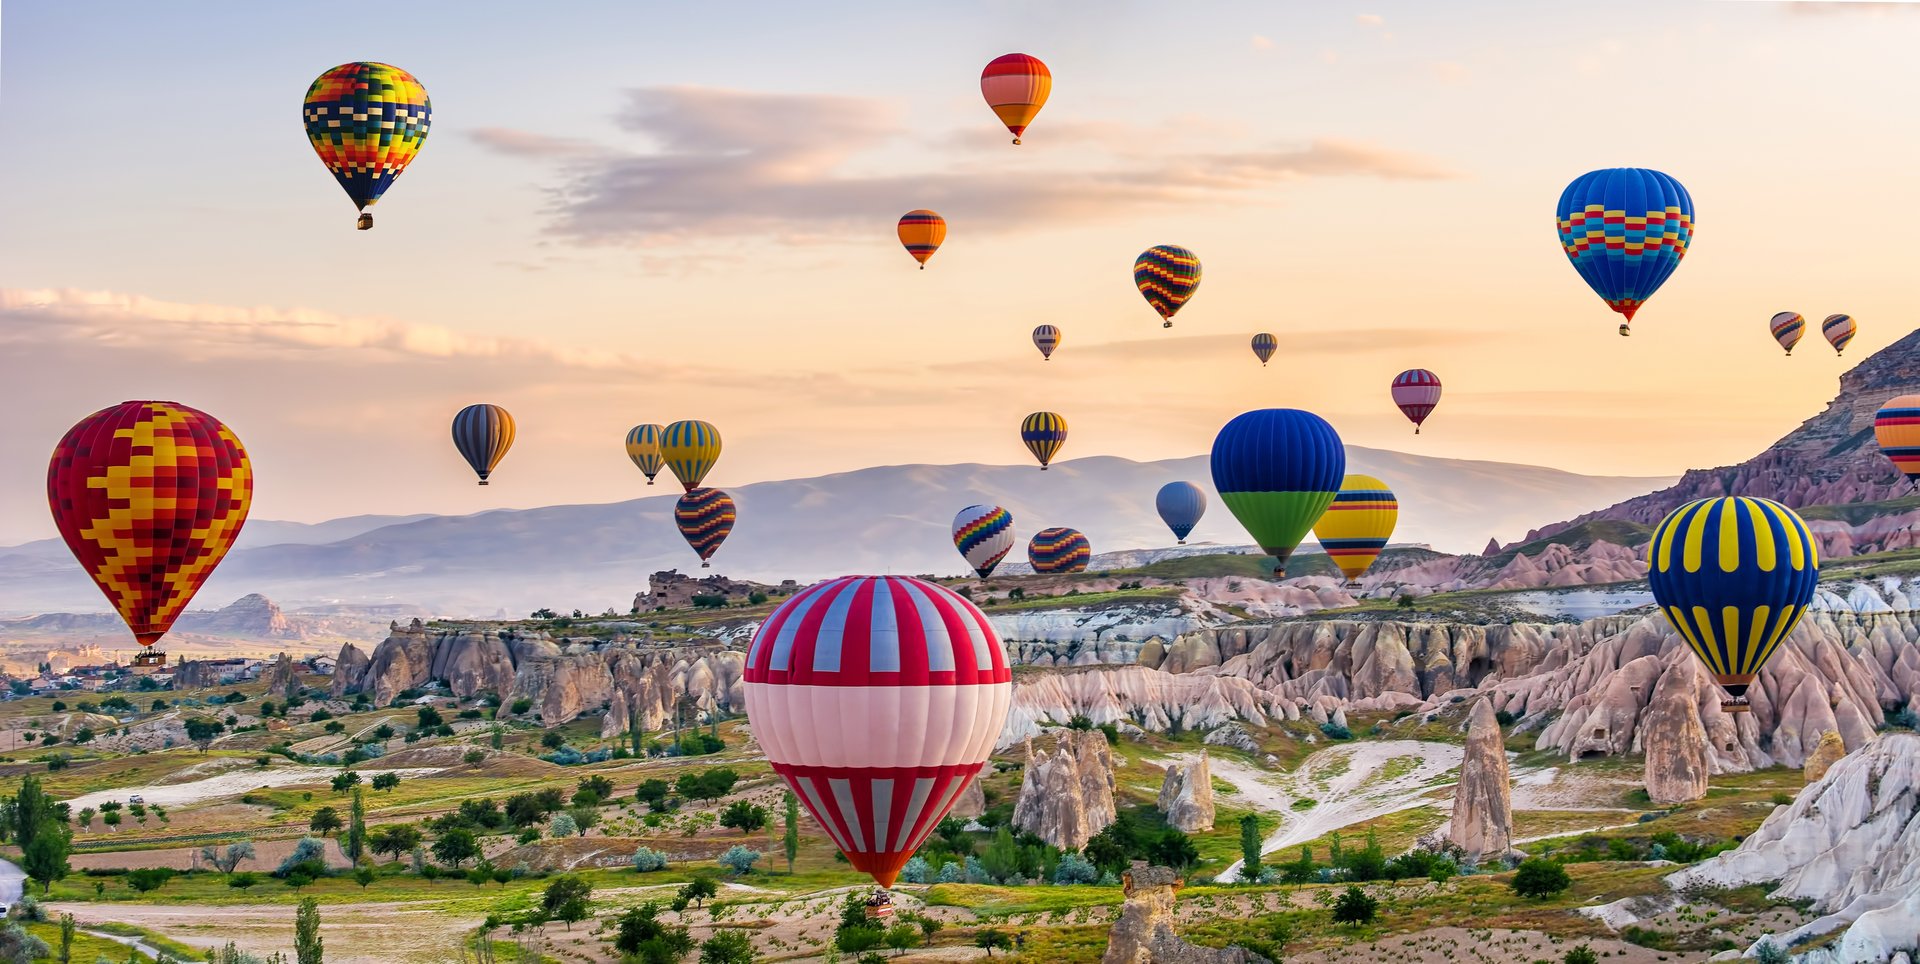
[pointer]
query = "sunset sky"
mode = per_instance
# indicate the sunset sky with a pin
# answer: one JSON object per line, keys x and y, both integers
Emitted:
{"x": 643, "y": 212}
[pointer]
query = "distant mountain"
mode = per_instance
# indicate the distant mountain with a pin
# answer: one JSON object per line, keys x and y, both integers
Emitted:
{"x": 256, "y": 533}
{"x": 1831, "y": 460}
{"x": 888, "y": 518}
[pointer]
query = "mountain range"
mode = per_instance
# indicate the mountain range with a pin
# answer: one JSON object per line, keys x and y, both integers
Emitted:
{"x": 886, "y": 518}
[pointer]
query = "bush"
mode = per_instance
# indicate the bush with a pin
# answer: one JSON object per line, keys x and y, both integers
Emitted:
{"x": 915, "y": 871}
{"x": 950, "y": 873}
{"x": 309, "y": 851}
{"x": 563, "y": 825}
{"x": 1580, "y": 955}
{"x": 739, "y": 859}
{"x": 1540, "y": 878}
{"x": 646, "y": 860}
{"x": 1355, "y": 907}
{"x": 1767, "y": 952}
{"x": 1505, "y": 718}
{"x": 1075, "y": 869}
{"x": 1335, "y": 731}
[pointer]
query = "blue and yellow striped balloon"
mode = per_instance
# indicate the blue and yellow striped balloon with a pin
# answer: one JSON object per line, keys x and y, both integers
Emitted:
{"x": 690, "y": 448}
{"x": 483, "y": 434}
{"x": 1044, "y": 433}
{"x": 1733, "y": 575}
{"x": 1625, "y": 229}
{"x": 1839, "y": 329}
{"x": 1358, "y": 524}
{"x": 643, "y": 447}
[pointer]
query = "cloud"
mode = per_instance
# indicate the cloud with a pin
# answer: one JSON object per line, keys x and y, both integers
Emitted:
{"x": 1262, "y": 43}
{"x": 1449, "y": 72}
{"x": 731, "y": 163}
{"x": 1869, "y": 7}
{"x": 515, "y": 143}
{"x": 1369, "y": 19}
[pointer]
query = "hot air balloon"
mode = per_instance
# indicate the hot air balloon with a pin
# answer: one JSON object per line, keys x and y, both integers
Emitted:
{"x": 984, "y": 536}
{"x": 705, "y": 517}
{"x": 1358, "y": 524}
{"x": 1263, "y": 346}
{"x": 643, "y": 447}
{"x": 1839, "y": 330}
{"x": 367, "y": 122}
{"x": 877, "y": 699}
{"x": 149, "y": 496}
{"x": 483, "y": 433}
{"x": 690, "y": 448}
{"x": 1733, "y": 575}
{"x": 1278, "y": 469}
{"x": 1044, "y": 433}
{"x": 921, "y": 231}
{"x": 1625, "y": 229}
{"x": 1181, "y": 504}
{"x": 1787, "y": 327}
{"x": 1016, "y": 87}
{"x": 1167, "y": 276}
{"x": 1897, "y": 428}
{"x": 1046, "y": 338}
{"x": 1416, "y": 391}
{"x": 1059, "y": 549}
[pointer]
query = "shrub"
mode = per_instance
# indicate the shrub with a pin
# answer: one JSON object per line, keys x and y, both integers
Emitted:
{"x": 308, "y": 850}
{"x": 1355, "y": 907}
{"x": 1767, "y": 952}
{"x": 950, "y": 873}
{"x": 739, "y": 859}
{"x": 1335, "y": 731}
{"x": 1075, "y": 869}
{"x": 1505, "y": 718}
{"x": 646, "y": 860}
{"x": 563, "y": 825}
{"x": 1540, "y": 878}
{"x": 915, "y": 871}
{"x": 1580, "y": 955}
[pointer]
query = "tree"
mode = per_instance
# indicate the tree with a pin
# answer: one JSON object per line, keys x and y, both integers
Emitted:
{"x": 363, "y": 876}
{"x": 792, "y": 840}
{"x": 455, "y": 846}
{"x": 66, "y": 938}
{"x": 743, "y": 816}
{"x": 394, "y": 839}
{"x": 1002, "y": 859}
{"x": 324, "y": 821}
{"x": 1354, "y": 907}
{"x": 386, "y": 781}
{"x": 356, "y": 828}
{"x": 225, "y": 860}
{"x": 1250, "y": 849}
{"x": 902, "y": 936}
{"x": 699, "y": 889}
{"x": 647, "y": 859}
{"x": 1540, "y": 878}
{"x": 345, "y": 780}
{"x": 739, "y": 859}
{"x": 562, "y": 826}
{"x": 19, "y": 947}
{"x": 992, "y": 937}
{"x": 201, "y": 730}
{"x": 584, "y": 818}
{"x": 566, "y": 899}
{"x": 474, "y": 757}
{"x": 600, "y": 788}
{"x": 728, "y": 946}
{"x": 27, "y": 812}
{"x": 242, "y": 880}
{"x": 429, "y": 717}
{"x": 85, "y": 816}
{"x": 640, "y": 935}
{"x": 148, "y": 879}
{"x": 552, "y": 740}
{"x": 653, "y": 793}
{"x": 45, "y": 858}
{"x": 306, "y": 932}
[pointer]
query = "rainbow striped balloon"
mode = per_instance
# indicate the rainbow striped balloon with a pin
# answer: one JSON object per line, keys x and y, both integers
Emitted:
{"x": 1786, "y": 328}
{"x": 367, "y": 121}
{"x": 1167, "y": 276}
{"x": 1059, "y": 549}
{"x": 1839, "y": 330}
{"x": 705, "y": 517}
{"x": 984, "y": 536}
{"x": 1358, "y": 524}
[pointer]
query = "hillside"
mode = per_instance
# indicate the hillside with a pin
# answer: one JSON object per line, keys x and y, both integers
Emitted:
{"x": 888, "y": 518}
{"x": 1830, "y": 460}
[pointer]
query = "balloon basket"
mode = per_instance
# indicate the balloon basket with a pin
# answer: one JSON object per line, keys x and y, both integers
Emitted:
{"x": 1736, "y": 705}
{"x": 1166, "y": 324}
{"x": 483, "y": 481}
{"x": 148, "y": 663}
{"x": 706, "y": 565}
{"x": 879, "y": 905}
{"x": 364, "y": 223}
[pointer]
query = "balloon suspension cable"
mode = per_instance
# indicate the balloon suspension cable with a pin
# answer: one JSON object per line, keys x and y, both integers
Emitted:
{"x": 365, "y": 222}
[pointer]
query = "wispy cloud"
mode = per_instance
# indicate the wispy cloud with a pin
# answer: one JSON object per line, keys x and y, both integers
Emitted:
{"x": 1369, "y": 19}
{"x": 1262, "y": 43}
{"x": 735, "y": 163}
{"x": 517, "y": 143}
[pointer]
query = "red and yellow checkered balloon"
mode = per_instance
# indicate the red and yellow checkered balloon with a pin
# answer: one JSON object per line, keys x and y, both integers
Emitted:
{"x": 149, "y": 496}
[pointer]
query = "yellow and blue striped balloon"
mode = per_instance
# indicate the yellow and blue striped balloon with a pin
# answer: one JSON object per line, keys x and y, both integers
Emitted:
{"x": 643, "y": 447}
{"x": 1044, "y": 433}
{"x": 690, "y": 448}
{"x": 1358, "y": 524}
{"x": 1733, "y": 575}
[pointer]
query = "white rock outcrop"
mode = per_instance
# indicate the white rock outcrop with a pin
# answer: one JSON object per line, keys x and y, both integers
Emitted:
{"x": 1066, "y": 795}
{"x": 1186, "y": 794}
{"x": 1482, "y": 823}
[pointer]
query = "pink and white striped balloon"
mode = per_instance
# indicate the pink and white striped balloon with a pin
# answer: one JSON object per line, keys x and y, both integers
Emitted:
{"x": 1416, "y": 391}
{"x": 877, "y": 698}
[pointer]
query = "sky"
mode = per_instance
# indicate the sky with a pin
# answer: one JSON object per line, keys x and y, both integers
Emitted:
{"x": 633, "y": 213}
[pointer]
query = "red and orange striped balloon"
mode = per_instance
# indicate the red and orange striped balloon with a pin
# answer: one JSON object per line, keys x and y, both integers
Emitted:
{"x": 921, "y": 233}
{"x": 1016, "y": 87}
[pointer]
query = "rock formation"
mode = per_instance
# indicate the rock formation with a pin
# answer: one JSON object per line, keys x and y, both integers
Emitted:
{"x": 1144, "y": 932}
{"x": 281, "y": 677}
{"x": 1848, "y": 844}
{"x": 675, "y": 590}
{"x": 348, "y": 669}
{"x": 1232, "y": 735}
{"x": 972, "y": 801}
{"x": 250, "y": 615}
{"x": 1150, "y": 699}
{"x": 1673, "y": 738}
{"x": 1825, "y": 754}
{"x": 1066, "y": 796}
{"x": 196, "y": 674}
{"x": 1186, "y": 794}
{"x": 1482, "y": 822}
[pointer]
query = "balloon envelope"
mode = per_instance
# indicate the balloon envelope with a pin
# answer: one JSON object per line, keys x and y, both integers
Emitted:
{"x": 483, "y": 434}
{"x": 984, "y": 536}
{"x": 1016, "y": 87}
{"x": 1044, "y": 433}
{"x": 149, "y": 496}
{"x": 1046, "y": 338}
{"x": 1839, "y": 330}
{"x": 1786, "y": 328}
{"x": 1059, "y": 549}
{"x": 1625, "y": 229}
{"x": 705, "y": 517}
{"x": 643, "y": 447}
{"x": 1897, "y": 428}
{"x": 690, "y": 449}
{"x": 1416, "y": 391}
{"x": 877, "y": 699}
{"x": 1263, "y": 346}
{"x": 1733, "y": 575}
{"x": 1167, "y": 276}
{"x": 1358, "y": 524}
{"x": 1180, "y": 504}
{"x": 1278, "y": 469}
{"x": 367, "y": 121}
{"x": 921, "y": 232}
